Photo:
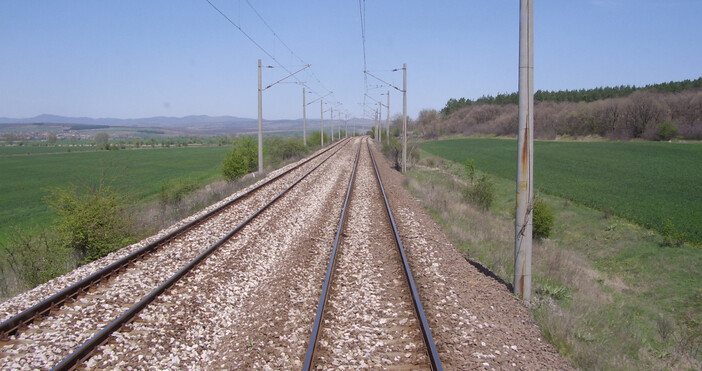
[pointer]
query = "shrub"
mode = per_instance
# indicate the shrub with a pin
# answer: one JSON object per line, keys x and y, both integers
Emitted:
{"x": 173, "y": 191}
{"x": 32, "y": 259}
{"x": 666, "y": 130}
{"x": 393, "y": 152}
{"x": 314, "y": 138}
{"x": 671, "y": 237}
{"x": 543, "y": 219}
{"x": 242, "y": 159}
{"x": 481, "y": 193}
{"x": 91, "y": 221}
{"x": 289, "y": 149}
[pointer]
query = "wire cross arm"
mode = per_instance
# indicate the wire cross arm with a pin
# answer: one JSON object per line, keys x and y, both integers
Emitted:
{"x": 316, "y": 100}
{"x": 383, "y": 81}
{"x": 376, "y": 101}
{"x": 288, "y": 76}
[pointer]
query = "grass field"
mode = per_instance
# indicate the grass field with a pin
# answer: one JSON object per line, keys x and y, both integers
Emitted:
{"x": 25, "y": 180}
{"x": 609, "y": 294}
{"x": 647, "y": 183}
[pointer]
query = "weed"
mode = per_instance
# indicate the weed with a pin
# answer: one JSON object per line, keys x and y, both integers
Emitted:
{"x": 671, "y": 237}
{"x": 556, "y": 292}
{"x": 543, "y": 219}
{"x": 469, "y": 168}
{"x": 481, "y": 193}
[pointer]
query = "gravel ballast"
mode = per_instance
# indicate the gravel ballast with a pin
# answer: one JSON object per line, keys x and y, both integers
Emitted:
{"x": 252, "y": 303}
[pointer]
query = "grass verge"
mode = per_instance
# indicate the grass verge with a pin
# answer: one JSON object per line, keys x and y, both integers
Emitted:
{"x": 608, "y": 293}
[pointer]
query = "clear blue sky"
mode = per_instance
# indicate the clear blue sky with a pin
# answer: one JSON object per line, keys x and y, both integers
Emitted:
{"x": 140, "y": 58}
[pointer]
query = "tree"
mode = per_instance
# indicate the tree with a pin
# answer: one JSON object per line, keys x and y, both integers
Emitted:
{"x": 51, "y": 139}
{"x": 241, "y": 159}
{"x": 102, "y": 140}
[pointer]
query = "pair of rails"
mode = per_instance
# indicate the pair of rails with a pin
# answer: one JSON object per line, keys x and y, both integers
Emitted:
{"x": 21, "y": 320}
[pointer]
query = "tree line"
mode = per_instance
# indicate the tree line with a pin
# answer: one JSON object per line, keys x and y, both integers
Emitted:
{"x": 660, "y": 112}
{"x": 575, "y": 96}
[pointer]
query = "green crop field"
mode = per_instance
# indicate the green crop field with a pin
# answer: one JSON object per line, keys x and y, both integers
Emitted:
{"x": 33, "y": 150}
{"x": 25, "y": 180}
{"x": 645, "y": 182}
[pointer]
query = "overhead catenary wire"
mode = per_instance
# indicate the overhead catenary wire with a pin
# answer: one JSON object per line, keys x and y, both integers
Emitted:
{"x": 269, "y": 54}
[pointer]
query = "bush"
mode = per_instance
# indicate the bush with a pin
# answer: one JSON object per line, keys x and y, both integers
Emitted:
{"x": 393, "y": 152}
{"x": 32, "y": 259}
{"x": 671, "y": 237}
{"x": 289, "y": 149}
{"x": 91, "y": 221}
{"x": 543, "y": 219}
{"x": 314, "y": 139}
{"x": 666, "y": 130}
{"x": 480, "y": 193}
{"x": 173, "y": 191}
{"x": 242, "y": 159}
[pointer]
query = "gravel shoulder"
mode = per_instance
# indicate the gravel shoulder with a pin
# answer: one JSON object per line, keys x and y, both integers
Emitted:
{"x": 476, "y": 322}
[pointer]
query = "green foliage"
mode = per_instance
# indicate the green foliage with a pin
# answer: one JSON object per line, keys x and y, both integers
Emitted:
{"x": 33, "y": 258}
{"x": 91, "y": 220}
{"x": 645, "y": 182}
{"x": 241, "y": 159}
{"x": 556, "y": 292}
{"x": 543, "y": 219}
{"x": 371, "y": 132}
{"x": 393, "y": 152}
{"x": 666, "y": 130}
{"x": 289, "y": 149}
{"x": 174, "y": 190}
{"x": 469, "y": 168}
{"x": 671, "y": 237}
{"x": 314, "y": 139}
{"x": 480, "y": 193}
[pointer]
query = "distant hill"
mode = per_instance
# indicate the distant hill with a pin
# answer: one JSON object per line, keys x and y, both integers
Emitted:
{"x": 188, "y": 125}
{"x": 158, "y": 121}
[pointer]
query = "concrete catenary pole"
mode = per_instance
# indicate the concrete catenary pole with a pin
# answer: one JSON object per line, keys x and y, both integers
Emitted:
{"x": 321, "y": 120}
{"x": 525, "y": 160}
{"x": 380, "y": 123}
{"x": 387, "y": 121}
{"x": 347, "y": 126}
{"x": 260, "y": 121}
{"x": 375, "y": 117}
{"x": 404, "y": 117}
{"x": 304, "y": 118}
{"x": 331, "y": 123}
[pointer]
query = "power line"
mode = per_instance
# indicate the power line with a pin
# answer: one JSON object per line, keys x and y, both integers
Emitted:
{"x": 270, "y": 55}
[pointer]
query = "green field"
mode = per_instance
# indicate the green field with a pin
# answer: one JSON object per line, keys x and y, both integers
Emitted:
{"x": 33, "y": 150}
{"x": 647, "y": 183}
{"x": 25, "y": 180}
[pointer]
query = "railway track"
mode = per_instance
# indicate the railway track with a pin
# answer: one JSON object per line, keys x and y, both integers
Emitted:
{"x": 369, "y": 313}
{"x": 89, "y": 311}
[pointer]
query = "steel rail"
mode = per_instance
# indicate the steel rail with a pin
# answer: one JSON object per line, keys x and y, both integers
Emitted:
{"x": 330, "y": 272}
{"x": 84, "y": 351}
{"x": 419, "y": 310}
{"x": 27, "y": 316}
